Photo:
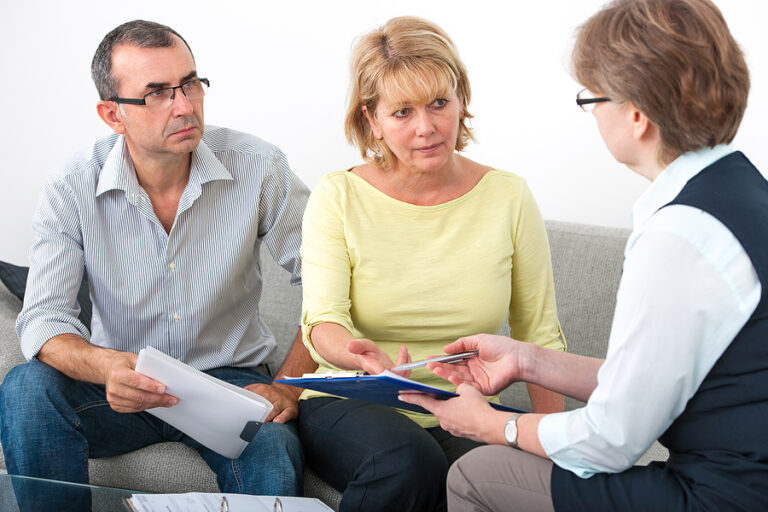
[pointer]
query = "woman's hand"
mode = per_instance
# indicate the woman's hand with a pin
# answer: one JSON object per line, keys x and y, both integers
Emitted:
{"x": 374, "y": 360}
{"x": 468, "y": 415}
{"x": 495, "y": 367}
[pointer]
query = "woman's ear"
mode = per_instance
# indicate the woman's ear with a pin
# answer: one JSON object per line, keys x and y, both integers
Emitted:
{"x": 372, "y": 122}
{"x": 641, "y": 125}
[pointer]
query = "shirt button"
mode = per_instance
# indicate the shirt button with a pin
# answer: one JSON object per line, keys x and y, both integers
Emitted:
{"x": 175, "y": 317}
{"x": 172, "y": 266}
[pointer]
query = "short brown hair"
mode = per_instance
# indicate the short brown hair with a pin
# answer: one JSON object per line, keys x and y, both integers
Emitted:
{"x": 408, "y": 57}
{"x": 141, "y": 33}
{"x": 675, "y": 60}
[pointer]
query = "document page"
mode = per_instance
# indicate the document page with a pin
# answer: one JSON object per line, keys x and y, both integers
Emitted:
{"x": 212, "y": 502}
{"x": 215, "y": 413}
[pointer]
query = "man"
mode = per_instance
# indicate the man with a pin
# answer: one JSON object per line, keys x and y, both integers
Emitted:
{"x": 687, "y": 359}
{"x": 166, "y": 218}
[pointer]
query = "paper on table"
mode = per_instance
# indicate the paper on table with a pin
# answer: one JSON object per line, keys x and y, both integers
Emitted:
{"x": 211, "y": 502}
{"x": 215, "y": 413}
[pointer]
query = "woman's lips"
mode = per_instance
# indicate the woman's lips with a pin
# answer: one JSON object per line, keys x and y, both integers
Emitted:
{"x": 429, "y": 149}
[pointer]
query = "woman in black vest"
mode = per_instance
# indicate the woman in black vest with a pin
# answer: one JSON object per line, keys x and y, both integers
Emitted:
{"x": 687, "y": 360}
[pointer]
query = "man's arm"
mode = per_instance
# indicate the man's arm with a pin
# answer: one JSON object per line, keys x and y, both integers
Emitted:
{"x": 285, "y": 399}
{"x": 127, "y": 391}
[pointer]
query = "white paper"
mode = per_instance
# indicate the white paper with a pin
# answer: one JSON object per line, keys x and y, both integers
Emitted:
{"x": 210, "y": 411}
{"x": 211, "y": 502}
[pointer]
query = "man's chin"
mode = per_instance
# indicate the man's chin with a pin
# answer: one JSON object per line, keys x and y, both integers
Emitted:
{"x": 188, "y": 141}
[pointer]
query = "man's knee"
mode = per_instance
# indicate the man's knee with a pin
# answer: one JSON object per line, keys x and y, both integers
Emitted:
{"x": 28, "y": 385}
{"x": 272, "y": 464}
{"x": 279, "y": 441}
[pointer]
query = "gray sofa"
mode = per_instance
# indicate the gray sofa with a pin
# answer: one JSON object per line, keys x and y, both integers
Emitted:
{"x": 587, "y": 264}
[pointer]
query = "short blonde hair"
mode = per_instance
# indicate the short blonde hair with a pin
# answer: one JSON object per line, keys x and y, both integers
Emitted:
{"x": 408, "y": 58}
{"x": 675, "y": 60}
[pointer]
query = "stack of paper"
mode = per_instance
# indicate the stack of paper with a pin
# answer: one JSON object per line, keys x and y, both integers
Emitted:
{"x": 217, "y": 414}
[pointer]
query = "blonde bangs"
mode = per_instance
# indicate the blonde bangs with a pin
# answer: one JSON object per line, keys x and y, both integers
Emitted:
{"x": 416, "y": 81}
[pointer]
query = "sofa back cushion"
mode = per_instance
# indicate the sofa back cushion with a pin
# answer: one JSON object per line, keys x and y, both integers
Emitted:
{"x": 280, "y": 308}
{"x": 587, "y": 262}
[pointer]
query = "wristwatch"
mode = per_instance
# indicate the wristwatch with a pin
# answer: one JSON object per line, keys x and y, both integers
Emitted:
{"x": 510, "y": 430}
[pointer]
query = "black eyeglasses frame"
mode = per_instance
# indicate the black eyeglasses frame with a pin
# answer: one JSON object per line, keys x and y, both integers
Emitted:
{"x": 589, "y": 101}
{"x": 143, "y": 101}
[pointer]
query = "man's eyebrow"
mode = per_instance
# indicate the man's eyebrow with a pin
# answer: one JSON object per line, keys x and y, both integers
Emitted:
{"x": 162, "y": 85}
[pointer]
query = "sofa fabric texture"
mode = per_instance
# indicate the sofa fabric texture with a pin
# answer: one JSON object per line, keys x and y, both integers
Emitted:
{"x": 587, "y": 262}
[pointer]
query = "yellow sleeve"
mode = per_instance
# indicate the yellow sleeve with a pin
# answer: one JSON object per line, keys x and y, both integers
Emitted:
{"x": 533, "y": 311}
{"x": 325, "y": 264}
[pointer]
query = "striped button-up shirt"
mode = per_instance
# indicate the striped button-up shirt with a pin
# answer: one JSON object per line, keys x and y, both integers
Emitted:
{"x": 192, "y": 293}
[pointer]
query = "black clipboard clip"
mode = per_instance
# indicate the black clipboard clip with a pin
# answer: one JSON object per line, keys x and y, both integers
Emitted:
{"x": 249, "y": 431}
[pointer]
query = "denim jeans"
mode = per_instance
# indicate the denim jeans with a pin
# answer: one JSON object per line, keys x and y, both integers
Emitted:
{"x": 378, "y": 458}
{"x": 50, "y": 425}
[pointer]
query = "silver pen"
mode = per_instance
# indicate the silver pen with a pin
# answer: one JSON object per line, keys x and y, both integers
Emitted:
{"x": 451, "y": 358}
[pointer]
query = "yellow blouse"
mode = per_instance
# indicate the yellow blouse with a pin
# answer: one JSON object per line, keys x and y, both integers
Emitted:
{"x": 423, "y": 276}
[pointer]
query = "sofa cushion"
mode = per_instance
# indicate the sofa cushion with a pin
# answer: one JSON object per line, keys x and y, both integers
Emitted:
{"x": 10, "y": 349}
{"x": 14, "y": 278}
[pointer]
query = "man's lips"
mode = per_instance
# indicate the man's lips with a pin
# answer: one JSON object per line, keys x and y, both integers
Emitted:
{"x": 185, "y": 131}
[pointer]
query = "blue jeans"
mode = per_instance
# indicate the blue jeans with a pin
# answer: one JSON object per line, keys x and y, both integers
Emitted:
{"x": 378, "y": 458}
{"x": 50, "y": 425}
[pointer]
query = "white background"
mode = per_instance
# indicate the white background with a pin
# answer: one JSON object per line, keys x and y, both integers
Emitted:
{"x": 278, "y": 69}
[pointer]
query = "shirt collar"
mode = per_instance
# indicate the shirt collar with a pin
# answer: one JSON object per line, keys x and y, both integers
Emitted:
{"x": 206, "y": 167}
{"x": 118, "y": 172}
{"x": 672, "y": 180}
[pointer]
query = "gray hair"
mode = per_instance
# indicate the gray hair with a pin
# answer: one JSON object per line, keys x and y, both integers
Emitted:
{"x": 144, "y": 34}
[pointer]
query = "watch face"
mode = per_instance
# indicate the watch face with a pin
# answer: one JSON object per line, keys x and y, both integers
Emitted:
{"x": 510, "y": 431}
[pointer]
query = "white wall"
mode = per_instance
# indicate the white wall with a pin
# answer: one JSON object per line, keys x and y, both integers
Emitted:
{"x": 278, "y": 69}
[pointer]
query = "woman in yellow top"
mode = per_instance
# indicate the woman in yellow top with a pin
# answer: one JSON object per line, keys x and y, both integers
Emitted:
{"x": 404, "y": 253}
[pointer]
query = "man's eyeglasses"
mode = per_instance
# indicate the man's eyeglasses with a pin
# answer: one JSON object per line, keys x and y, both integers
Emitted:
{"x": 586, "y": 100}
{"x": 162, "y": 98}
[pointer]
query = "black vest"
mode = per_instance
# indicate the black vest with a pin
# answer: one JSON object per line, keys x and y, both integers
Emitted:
{"x": 719, "y": 444}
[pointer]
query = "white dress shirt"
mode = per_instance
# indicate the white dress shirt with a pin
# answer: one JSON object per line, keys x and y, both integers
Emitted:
{"x": 192, "y": 293}
{"x": 687, "y": 289}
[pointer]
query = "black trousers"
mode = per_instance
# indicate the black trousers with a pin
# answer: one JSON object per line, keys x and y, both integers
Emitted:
{"x": 378, "y": 458}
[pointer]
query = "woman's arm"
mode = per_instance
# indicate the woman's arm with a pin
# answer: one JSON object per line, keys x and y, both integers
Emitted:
{"x": 502, "y": 361}
{"x": 337, "y": 346}
{"x": 532, "y": 308}
{"x": 544, "y": 400}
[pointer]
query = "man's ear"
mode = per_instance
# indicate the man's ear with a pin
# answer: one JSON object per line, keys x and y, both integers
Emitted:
{"x": 372, "y": 122}
{"x": 109, "y": 113}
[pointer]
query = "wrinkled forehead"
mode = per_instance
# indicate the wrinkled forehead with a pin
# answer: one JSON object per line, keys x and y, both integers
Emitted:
{"x": 415, "y": 83}
{"x": 137, "y": 66}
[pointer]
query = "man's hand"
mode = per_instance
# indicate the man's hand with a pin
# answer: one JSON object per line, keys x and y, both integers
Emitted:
{"x": 496, "y": 365}
{"x": 128, "y": 391}
{"x": 285, "y": 400}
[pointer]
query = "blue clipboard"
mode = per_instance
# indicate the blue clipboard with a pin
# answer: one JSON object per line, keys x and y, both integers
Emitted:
{"x": 381, "y": 389}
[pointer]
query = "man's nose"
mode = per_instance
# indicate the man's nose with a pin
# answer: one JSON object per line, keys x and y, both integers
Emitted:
{"x": 180, "y": 104}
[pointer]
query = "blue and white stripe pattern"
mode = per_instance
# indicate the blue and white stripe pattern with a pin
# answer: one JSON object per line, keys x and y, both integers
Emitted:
{"x": 192, "y": 293}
